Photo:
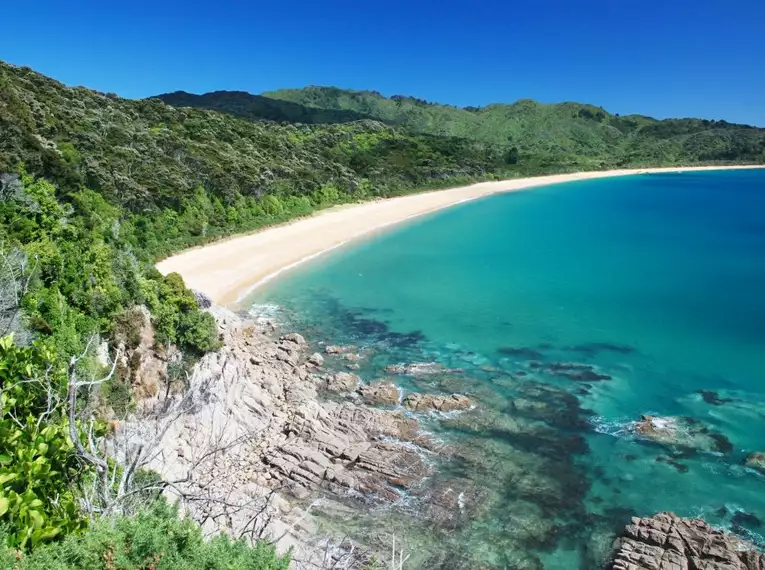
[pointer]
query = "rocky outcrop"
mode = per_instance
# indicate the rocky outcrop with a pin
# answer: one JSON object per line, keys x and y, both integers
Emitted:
{"x": 316, "y": 359}
{"x": 294, "y": 338}
{"x": 686, "y": 433}
{"x": 756, "y": 460}
{"x": 141, "y": 364}
{"x": 255, "y": 402}
{"x": 340, "y": 382}
{"x": 668, "y": 542}
{"x": 203, "y": 301}
{"x": 435, "y": 403}
{"x": 380, "y": 394}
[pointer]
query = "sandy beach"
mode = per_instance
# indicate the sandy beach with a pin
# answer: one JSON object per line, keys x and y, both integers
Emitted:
{"x": 228, "y": 270}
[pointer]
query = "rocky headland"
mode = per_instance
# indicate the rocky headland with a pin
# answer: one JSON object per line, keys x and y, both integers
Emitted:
{"x": 277, "y": 432}
{"x": 263, "y": 441}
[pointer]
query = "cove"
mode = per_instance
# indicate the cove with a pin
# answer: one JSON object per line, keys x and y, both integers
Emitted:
{"x": 568, "y": 313}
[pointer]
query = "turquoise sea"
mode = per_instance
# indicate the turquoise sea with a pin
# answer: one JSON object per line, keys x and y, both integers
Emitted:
{"x": 567, "y": 312}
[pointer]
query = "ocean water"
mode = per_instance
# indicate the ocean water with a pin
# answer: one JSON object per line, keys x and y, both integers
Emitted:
{"x": 567, "y": 312}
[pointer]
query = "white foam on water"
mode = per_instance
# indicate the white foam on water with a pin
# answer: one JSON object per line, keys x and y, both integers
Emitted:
{"x": 613, "y": 427}
{"x": 424, "y": 453}
{"x": 461, "y": 501}
{"x": 265, "y": 312}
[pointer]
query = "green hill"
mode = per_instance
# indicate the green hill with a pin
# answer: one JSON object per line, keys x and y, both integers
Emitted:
{"x": 571, "y": 133}
{"x": 563, "y": 135}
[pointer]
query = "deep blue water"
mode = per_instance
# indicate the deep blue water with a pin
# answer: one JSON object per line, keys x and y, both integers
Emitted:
{"x": 656, "y": 281}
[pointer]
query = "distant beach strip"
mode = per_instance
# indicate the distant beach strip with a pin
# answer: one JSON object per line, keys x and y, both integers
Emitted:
{"x": 228, "y": 270}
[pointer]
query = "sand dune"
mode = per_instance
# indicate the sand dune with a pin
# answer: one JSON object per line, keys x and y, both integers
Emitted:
{"x": 227, "y": 270}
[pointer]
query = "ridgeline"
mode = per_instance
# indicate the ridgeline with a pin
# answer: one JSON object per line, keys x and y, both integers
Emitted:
{"x": 564, "y": 135}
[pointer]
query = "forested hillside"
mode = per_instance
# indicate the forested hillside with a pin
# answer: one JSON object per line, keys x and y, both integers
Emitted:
{"x": 214, "y": 172}
{"x": 583, "y": 136}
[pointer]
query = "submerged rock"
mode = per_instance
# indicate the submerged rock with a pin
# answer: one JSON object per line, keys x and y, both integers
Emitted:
{"x": 744, "y": 519}
{"x": 525, "y": 353}
{"x": 336, "y": 349}
{"x": 668, "y": 542}
{"x": 594, "y": 348}
{"x": 380, "y": 394}
{"x": 576, "y": 371}
{"x": 432, "y": 402}
{"x": 713, "y": 398}
{"x": 451, "y": 503}
{"x": 680, "y": 467}
{"x": 419, "y": 369}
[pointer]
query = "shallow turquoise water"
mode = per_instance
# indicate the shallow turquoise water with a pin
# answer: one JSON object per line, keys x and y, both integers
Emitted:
{"x": 656, "y": 280}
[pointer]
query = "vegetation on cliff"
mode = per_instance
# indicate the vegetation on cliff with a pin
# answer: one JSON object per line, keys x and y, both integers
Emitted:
{"x": 153, "y": 539}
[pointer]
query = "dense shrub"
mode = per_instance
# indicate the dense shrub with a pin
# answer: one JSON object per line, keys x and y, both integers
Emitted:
{"x": 156, "y": 539}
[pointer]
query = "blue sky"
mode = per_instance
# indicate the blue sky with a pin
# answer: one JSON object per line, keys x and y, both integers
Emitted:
{"x": 665, "y": 58}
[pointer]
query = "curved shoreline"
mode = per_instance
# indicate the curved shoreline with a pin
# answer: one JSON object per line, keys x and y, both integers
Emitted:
{"x": 228, "y": 270}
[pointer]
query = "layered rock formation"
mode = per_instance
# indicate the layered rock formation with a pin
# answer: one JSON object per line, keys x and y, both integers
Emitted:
{"x": 668, "y": 542}
{"x": 258, "y": 434}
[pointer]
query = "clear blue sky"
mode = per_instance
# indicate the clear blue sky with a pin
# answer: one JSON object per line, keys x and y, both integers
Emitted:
{"x": 664, "y": 58}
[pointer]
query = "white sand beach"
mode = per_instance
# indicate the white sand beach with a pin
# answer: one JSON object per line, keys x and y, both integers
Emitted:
{"x": 228, "y": 270}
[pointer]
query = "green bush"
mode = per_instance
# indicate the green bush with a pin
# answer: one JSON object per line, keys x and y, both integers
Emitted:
{"x": 39, "y": 472}
{"x": 156, "y": 539}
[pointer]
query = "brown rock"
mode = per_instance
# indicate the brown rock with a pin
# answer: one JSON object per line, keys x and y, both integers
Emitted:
{"x": 380, "y": 394}
{"x": 668, "y": 542}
